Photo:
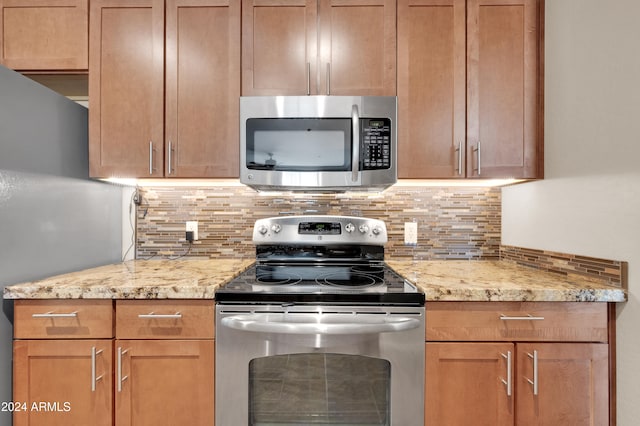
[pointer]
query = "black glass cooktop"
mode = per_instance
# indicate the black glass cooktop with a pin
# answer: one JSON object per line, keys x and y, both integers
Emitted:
{"x": 326, "y": 283}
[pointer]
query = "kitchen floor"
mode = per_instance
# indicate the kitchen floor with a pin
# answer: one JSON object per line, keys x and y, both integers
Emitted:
{"x": 319, "y": 389}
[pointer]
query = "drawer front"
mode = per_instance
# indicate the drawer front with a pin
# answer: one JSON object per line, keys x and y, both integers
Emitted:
{"x": 165, "y": 319}
{"x": 517, "y": 321}
{"x": 63, "y": 319}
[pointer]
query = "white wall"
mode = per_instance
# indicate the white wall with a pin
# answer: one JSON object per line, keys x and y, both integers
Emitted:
{"x": 589, "y": 203}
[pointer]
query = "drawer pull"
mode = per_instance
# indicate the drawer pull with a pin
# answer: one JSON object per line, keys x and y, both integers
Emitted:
{"x": 508, "y": 382}
{"x": 177, "y": 315}
{"x": 529, "y": 317}
{"x": 52, "y": 315}
{"x": 119, "y": 368}
{"x": 94, "y": 379}
{"x": 534, "y": 382}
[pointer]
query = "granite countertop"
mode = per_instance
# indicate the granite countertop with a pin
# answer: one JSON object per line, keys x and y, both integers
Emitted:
{"x": 446, "y": 280}
{"x": 136, "y": 279}
{"x": 482, "y": 280}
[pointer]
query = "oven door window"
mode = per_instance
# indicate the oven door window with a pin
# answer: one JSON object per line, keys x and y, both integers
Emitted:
{"x": 319, "y": 389}
{"x": 298, "y": 144}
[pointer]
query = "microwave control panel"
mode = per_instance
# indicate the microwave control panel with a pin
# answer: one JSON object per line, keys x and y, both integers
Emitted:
{"x": 376, "y": 143}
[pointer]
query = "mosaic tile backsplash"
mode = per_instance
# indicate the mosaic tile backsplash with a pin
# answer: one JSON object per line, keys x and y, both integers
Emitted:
{"x": 453, "y": 222}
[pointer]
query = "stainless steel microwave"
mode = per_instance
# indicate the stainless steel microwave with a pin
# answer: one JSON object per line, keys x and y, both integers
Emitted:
{"x": 318, "y": 143}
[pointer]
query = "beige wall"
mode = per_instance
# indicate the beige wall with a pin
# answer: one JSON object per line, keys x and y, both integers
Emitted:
{"x": 589, "y": 203}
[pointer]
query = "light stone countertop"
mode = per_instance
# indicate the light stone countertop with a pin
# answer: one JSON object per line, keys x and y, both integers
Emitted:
{"x": 136, "y": 279}
{"x": 446, "y": 280}
{"x": 481, "y": 280}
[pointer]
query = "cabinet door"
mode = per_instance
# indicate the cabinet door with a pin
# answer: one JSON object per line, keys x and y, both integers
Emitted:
{"x": 502, "y": 97}
{"x": 571, "y": 384}
{"x": 357, "y": 47}
{"x": 68, "y": 384}
{"x": 431, "y": 88}
{"x": 44, "y": 34}
{"x": 166, "y": 382}
{"x": 202, "y": 88}
{"x": 126, "y": 85}
{"x": 279, "y": 47}
{"x": 469, "y": 380}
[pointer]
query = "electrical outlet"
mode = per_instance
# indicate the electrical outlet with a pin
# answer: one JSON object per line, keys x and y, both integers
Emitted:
{"x": 192, "y": 225}
{"x": 411, "y": 233}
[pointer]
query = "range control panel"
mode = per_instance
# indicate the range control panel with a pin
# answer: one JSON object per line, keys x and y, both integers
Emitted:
{"x": 376, "y": 143}
{"x": 319, "y": 230}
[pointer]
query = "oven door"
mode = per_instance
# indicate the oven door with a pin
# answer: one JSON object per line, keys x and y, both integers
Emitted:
{"x": 319, "y": 365}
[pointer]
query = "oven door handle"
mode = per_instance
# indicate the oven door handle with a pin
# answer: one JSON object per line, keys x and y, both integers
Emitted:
{"x": 263, "y": 324}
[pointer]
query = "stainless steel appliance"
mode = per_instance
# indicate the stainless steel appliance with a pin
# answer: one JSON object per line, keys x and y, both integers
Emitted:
{"x": 320, "y": 143}
{"x": 320, "y": 331}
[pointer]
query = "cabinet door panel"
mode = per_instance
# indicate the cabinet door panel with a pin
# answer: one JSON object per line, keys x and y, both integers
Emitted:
{"x": 57, "y": 376}
{"x": 279, "y": 47}
{"x": 202, "y": 88}
{"x": 44, "y": 34}
{"x": 126, "y": 85}
{"x": 357, "y": 47}
{"x": 167, "y": 382}
{"x": 431, "y": 88}
{"x": 572, "y": 381}
{"x": 465, "y": 379}
{"x": 502, "y": 107}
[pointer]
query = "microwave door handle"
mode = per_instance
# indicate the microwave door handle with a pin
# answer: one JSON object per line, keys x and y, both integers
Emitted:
{"x": 355, "y": 159}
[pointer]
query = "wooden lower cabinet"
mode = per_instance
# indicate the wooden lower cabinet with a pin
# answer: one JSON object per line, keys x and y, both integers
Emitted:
{"x": 62, "y": 382}
{"x": 490, "y": 382}
{"x": 524, "y": 364}
{"x": 164, "y": 382}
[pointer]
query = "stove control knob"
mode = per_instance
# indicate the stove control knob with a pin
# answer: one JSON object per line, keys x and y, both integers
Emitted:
{"x": 262, "y": 229}
{"x": 349, "y": 227}
{"x": 376, "y": 230}
{"x": 364, "y": 228}
{"x": 276, "y": 228}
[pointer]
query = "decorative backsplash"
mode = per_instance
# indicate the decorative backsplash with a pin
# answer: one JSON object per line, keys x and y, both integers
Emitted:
{"x": 453, "y": 222}
{"x": 612, "y": 272}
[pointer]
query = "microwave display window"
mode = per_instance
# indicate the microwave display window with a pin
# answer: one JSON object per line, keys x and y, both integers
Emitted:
{"x": 298, "y": 144}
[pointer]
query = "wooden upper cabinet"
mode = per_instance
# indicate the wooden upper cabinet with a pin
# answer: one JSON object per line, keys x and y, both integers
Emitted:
{"x": 470, "y": 89}
{"x": 135, "y": 129}
{"x": 357, "y": 47}
{"x": 301, "y": 47}
{"x": 44, "y": 35}
{"x": 279, "y": 47}
{"x": 126, "y": 88}
{"x": 431, "y": 88}
{"x": 503, "y": 106}
{"x": 202, "y": 88}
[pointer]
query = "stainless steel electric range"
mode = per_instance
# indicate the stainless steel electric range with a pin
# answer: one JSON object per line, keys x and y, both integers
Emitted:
{"x": 320, "y": 331}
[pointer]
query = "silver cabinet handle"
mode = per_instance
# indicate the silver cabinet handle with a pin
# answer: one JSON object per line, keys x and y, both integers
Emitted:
{"x": 529, "y": 317}
{"x": 328, "y": 78}
{"x": 275, "y": 324}
{"x": 119, "y": 368}
{"x": 509, "y": 381}
{"x": 534, "y": 382}
{"x": 150, "y": 157}
{"x": 94, "y": 379}
{"x": 308, "y": 78}
{"x": 459, "y": 151}
{"x": 169, "y": 152}
{"x": 477, "y": 150}
{"x": 177, "y": 315}
{"x": 52, "y": 315}
{"x": 355, "y": 127}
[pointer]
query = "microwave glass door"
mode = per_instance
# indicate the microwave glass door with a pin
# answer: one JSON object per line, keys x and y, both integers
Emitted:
{"x": 299, "y": 144}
